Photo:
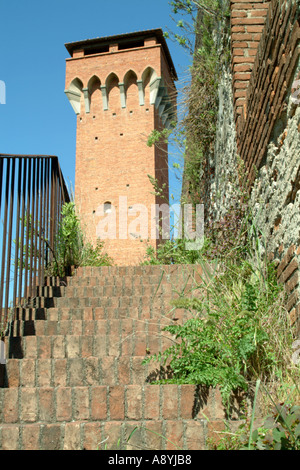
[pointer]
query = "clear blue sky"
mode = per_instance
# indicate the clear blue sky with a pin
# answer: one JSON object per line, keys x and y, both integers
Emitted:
{"x": 37, "y": 117}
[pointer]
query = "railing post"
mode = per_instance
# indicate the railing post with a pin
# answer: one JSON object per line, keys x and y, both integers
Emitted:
{"x": 18, "y": 266}
{"x": 10, "y": 226}
{"x": 4, "y": 237}
{"x": 53, "y": 204}
{"x": 21, "y": 262}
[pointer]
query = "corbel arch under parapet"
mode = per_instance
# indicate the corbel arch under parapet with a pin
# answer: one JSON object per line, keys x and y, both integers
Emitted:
{"x": 94, "y": 84}
{"x": 74, "y": 94}
{"x": 148, "y": 75}
{"x": 156, "y": 92}
{"x": 150, "y": 81}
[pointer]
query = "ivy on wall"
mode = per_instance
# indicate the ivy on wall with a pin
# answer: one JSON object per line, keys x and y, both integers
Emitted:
{"x": 205, "y": 34}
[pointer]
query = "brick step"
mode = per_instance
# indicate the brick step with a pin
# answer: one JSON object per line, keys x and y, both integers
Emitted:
{"x": 124, "y": 326}
{"x": 160, "y": 278}
{"x": 130, "y": 435}
{"x": 108, "y": 403}
{"x": 87, "y": 290}
{"x": 78, "y": 371}
{"x": 74, "y": 377}
{"x": 113, "y": 338}
{"x": 101, "y": 301}
{"x": 98, "y": 313}
{"x": 182, "y": 270}
{"x": 107, "y": 301}
{"x": 138, "y": 274}
{"x": 133, "y": 282}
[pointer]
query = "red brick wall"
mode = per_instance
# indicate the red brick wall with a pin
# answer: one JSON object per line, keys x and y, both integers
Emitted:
{"x": 263, "y": 94}
{"x": 247, "y": 20}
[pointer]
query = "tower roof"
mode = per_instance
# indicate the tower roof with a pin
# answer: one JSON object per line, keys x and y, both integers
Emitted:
{"x": 125, "y": 41}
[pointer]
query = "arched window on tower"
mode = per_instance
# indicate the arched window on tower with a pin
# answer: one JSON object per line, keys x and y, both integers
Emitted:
{"x": 107, "y": 207}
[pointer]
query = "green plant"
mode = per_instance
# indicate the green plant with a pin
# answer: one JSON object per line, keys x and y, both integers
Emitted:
{"x": 203, "y": 33}
{"x": 209, "y": 50}
{"x": 232, "y": 337}
{"x": 174, "y": 252}
{"x": 279, "y": 430}
{"x": 71, "y": 248}
{"x": 239, "y": 331}
{"x": 157, "y": 136}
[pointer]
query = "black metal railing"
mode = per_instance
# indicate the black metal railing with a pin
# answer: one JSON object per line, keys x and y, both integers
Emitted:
{"x": 32, "y": 193}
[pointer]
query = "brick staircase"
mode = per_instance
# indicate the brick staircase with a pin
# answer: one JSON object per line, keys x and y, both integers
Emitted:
{"x": 74, "y": 377}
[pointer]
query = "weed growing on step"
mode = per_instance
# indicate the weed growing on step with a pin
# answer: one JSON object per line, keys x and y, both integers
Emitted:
{"x": 174, "y": 252}
{"x": 239, "y": 330}
{"x": 279, "y": 430}
{"x": 71, "y": 249}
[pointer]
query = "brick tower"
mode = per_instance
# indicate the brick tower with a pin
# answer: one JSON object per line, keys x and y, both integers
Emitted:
{"x": 121, "y": 89}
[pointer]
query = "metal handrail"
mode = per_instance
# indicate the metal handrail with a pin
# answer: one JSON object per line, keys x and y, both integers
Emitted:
{"x": 32, "y": 192}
